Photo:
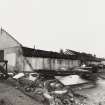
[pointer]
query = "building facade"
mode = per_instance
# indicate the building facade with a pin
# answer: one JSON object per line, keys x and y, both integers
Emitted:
{"x": 22, "y": 58}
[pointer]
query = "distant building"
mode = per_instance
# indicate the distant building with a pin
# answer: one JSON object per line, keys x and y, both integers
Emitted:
{"x": 22, "y": 58}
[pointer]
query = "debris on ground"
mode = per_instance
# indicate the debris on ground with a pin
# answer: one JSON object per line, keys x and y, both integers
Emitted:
{"x": 49, "y": 90}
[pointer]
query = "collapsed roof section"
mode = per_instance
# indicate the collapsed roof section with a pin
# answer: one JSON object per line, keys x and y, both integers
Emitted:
{"x": 29, "y": 52}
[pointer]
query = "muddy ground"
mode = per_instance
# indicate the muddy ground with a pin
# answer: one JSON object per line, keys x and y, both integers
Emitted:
{"x": 96, "y": 95}
{"x": 9, "y": 94}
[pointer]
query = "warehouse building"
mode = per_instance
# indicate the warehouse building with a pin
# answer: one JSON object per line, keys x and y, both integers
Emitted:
{"x": 21, "y": 58}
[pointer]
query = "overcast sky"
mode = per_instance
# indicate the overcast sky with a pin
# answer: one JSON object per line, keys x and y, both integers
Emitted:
{"x": 56, "y": 24}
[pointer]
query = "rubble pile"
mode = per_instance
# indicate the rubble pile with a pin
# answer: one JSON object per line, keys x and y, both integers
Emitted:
{"x": 51, "y": 92}
{"x": 55, "y": 87}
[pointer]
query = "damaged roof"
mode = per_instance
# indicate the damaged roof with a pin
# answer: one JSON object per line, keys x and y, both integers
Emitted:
{"x": 30, "y": 52}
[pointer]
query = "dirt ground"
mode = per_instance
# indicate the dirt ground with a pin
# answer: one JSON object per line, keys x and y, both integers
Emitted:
{"x": 96, "y": 95}
{"x": 11, "y": 96}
